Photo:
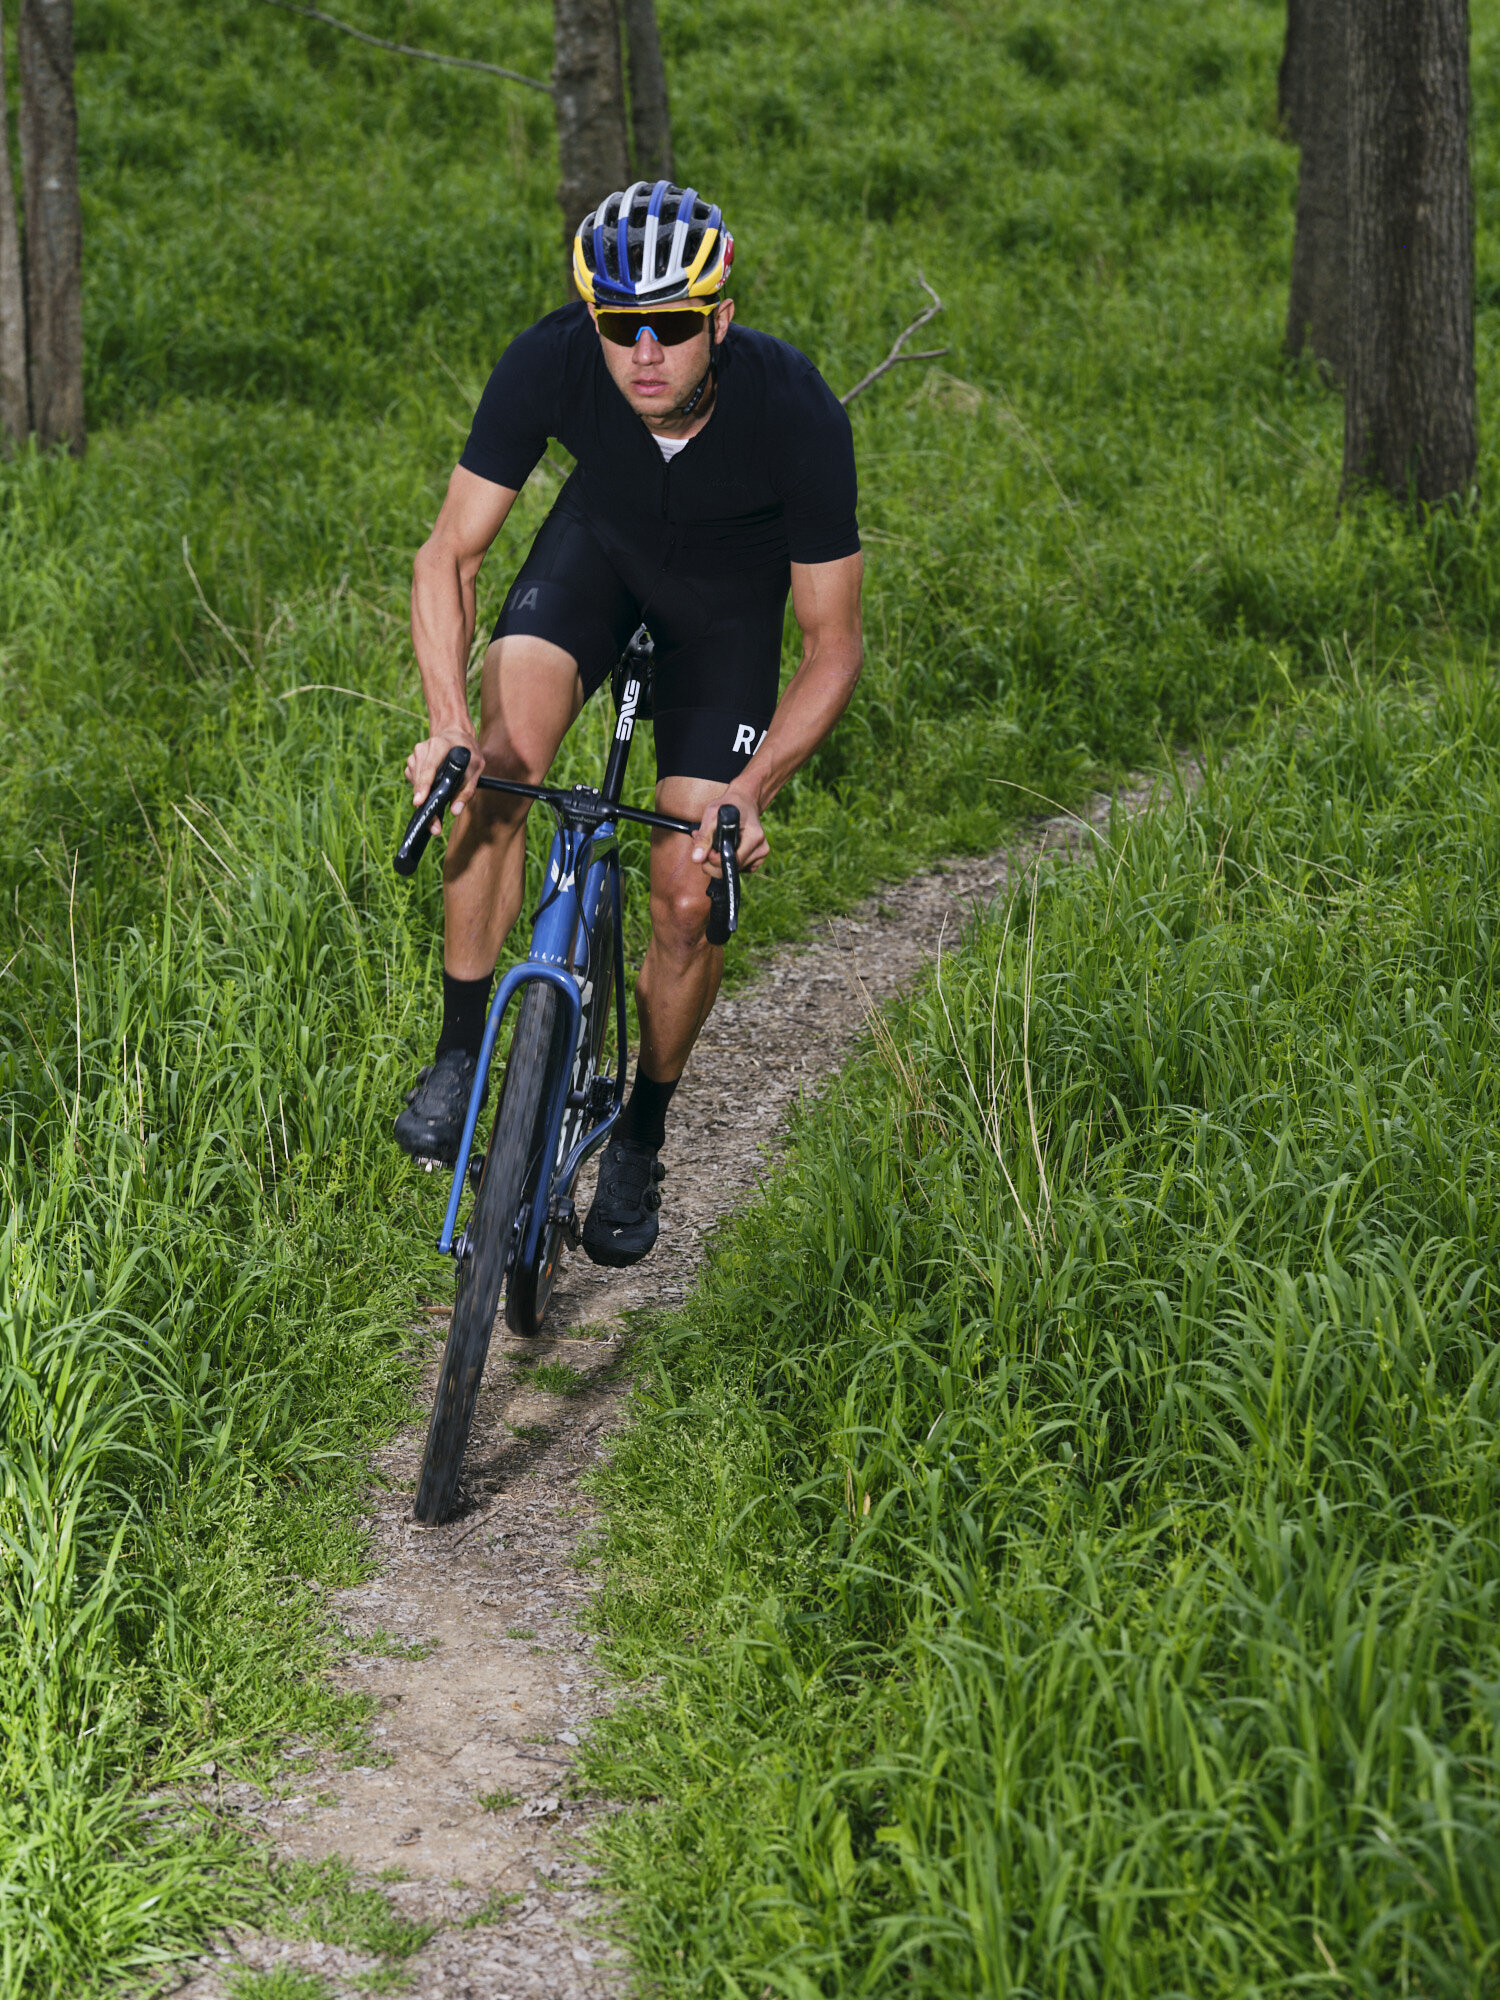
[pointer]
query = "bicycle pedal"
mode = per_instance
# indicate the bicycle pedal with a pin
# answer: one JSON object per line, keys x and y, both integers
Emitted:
{"x": 476, "y": 1167}
{"x": 565, "y": 1216}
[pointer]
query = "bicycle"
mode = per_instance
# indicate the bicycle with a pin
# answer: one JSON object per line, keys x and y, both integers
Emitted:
{"x": 557, "y": 1105}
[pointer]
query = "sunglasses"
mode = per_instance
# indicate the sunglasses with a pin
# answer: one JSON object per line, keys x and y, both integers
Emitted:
{"x": 668, "y": 328}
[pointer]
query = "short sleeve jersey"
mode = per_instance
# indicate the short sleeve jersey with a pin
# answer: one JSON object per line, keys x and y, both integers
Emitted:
{"x": 769, "y": 479}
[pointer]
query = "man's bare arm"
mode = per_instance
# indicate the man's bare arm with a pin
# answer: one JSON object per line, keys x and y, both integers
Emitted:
{"x": 825, "y": 599}
{"x": 442, "y": 623}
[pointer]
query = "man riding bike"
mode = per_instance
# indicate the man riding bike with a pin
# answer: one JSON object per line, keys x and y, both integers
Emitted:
{"x": 715, "y": 471}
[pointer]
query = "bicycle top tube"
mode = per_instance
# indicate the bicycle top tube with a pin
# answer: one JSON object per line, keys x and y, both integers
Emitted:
{"x": 583, "y": 803}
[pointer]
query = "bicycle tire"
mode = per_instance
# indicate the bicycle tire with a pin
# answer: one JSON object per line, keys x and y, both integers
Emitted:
{"x": 530, "y": 1290}
{"x": 516, "y": 1145}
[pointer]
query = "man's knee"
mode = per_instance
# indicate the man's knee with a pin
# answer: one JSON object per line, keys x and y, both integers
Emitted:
{"x": 679, "y": 912}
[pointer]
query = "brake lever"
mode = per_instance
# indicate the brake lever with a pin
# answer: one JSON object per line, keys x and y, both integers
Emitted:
{"x": 724, "y": 890}
{"x": 449, "y": 780}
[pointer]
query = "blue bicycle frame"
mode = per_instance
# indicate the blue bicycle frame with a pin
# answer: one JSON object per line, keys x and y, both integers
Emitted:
{"x": 585, "y": 849}
{"x": 568, "y": 1103}
{"x": 560, "y": 936}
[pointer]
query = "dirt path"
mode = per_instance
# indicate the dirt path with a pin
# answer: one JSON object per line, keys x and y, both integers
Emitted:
{"x": 472, "y": 1804}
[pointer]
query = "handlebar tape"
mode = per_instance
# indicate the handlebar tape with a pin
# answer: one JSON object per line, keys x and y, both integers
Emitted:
{"x": 449, "y": 779}
{"x": 724, "y": 890}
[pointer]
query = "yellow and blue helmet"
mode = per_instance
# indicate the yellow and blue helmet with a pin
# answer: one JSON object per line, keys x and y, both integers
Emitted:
{"x": 651, "y": 245}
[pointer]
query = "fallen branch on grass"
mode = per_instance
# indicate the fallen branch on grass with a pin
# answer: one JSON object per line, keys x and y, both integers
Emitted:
{"x": 402, "y": 48}
{"x": 895, "y": 355}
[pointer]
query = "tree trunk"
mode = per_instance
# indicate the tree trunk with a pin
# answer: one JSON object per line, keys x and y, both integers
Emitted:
{"x": 1409, "y": 410}
{"x": 650, "y": 119}
{"x": 54, "y": 226}
{"x": 1293, "y": 70}
{"x": 1315, "y": 89}
{"x": 15, "y": 404}
{"x": 591, "y": 143}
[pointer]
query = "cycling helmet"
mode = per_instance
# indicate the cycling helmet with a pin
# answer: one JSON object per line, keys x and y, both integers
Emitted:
{"x": 651, "y": 245}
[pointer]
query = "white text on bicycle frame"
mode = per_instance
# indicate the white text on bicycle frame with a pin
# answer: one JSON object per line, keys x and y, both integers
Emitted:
{"x": 627, "y": 710}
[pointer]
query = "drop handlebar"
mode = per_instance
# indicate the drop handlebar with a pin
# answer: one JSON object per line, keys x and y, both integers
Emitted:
{"x": 580, "y": 806}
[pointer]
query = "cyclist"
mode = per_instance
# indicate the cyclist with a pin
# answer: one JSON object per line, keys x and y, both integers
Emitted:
{"x": 714, "y": 472}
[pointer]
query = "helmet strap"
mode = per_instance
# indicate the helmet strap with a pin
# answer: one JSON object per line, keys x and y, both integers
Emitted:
{"x": 691, "y": 402}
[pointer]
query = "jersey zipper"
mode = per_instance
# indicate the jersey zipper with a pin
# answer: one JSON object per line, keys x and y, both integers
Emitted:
{"x": 671, "y": 548}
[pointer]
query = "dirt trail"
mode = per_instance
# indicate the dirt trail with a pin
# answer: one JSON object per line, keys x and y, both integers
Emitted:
{"x": 473, "y": 1804}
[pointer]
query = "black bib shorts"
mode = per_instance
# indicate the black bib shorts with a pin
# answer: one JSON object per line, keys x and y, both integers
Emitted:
{"x": 717, "y": 670}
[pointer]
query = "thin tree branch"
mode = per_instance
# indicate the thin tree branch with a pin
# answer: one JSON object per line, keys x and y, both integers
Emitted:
{"x": 401, "y": 48}
{"x": 895, "y": 355}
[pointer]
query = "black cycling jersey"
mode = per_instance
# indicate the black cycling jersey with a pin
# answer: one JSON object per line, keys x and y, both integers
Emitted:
{"x": 697, "y": 547}
{"x": 770, "y": 477}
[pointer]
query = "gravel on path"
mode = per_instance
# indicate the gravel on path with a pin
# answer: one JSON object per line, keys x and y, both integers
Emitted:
{"x": 469, "y": 1636}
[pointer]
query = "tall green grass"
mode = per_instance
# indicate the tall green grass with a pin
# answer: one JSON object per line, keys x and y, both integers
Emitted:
{"x": 1105, "y": 520}
{"x": 1060, "y": 1538}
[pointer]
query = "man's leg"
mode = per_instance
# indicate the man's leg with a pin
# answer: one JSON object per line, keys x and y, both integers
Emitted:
{"x": 529, "y": 694}
{"x": 678, "y": 985}
{"x": 679, "y": 980}
{"x": 714, "y": 693}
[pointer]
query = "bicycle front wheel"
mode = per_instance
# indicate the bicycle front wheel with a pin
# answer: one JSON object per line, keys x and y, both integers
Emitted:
{"x": 511, "y": 1165}
{"x": 530, "y": 1287}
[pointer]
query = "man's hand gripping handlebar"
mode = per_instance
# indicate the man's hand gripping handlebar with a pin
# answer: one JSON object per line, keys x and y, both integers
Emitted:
{"x": 581, "y": 804}
{"x": 724, "y": 890}
{"x": 448, "y": 782}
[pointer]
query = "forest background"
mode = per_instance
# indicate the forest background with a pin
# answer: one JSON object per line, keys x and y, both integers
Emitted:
{"x": 1106, "y": 523}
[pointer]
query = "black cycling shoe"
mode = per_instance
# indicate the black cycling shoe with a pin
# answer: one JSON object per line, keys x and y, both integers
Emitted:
{"x": 433, "y": 1122}
{"x": 622, "y": 1224}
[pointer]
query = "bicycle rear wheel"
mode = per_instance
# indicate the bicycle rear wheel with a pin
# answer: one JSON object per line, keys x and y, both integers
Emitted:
{"x": 517, "y": 1144}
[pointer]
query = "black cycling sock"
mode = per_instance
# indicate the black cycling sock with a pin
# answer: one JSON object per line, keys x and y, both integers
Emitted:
{"x": 465, "y": 1004}
{"x": 643, "y": 1122}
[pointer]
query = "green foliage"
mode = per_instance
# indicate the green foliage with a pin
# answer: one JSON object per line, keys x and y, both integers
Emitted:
{"x": 1105, "y": 520}
{"x": 92, "y": 1879}
{"x": 556, "y": 1378}
{"x": 382, "y": 1645}
{"x": 497, "y": 1801}
{"x": 386, "y": 1978}
{"x": 1060, "y": 1536}
{"x": 497, "y": 1907}
{"x": 320, "y": 1900}
{"x": 282, "y": 1982}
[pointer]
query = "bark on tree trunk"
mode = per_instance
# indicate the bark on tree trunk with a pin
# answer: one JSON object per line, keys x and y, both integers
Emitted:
{"x": 54, "y": 226}
{"x": 1316, "y": 103}
{"x": 15, "y": 403}
{"x": 1409, "y": 408}
{"x": 1289, "y": 78}
{"x": 591, "y": 144}
{"x": 650, "y": 119}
